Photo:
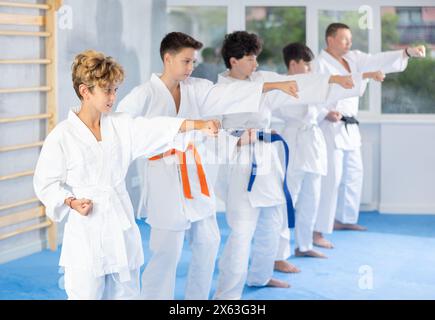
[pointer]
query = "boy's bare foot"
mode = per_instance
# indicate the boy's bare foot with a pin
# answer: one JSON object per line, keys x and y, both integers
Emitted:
{"x": 348, "y": 226}
{"x": 310, "y": 253}
{"x": 286, "y": 267}
{"x": 277, "y": 283}
{"x": 319, "y": 241}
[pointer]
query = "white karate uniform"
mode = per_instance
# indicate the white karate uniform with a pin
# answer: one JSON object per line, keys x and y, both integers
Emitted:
{"x": 101, "y": 252}
{"x": 83, "y": 285}
{"x": 342, "y": 186}
{"x": 308, "y": 162}
{"x": 263, "y": 207}
{"x": 169, "y": 213}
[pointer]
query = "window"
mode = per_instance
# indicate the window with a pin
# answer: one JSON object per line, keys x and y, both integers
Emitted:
{"x": 277, "y": 26}
{"x": 411, "y": 91}
{"x": 359, "y": 37}
{"x": 205, "y": 24}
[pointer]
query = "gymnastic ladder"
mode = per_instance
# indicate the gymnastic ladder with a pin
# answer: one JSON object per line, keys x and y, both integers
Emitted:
{"x": 46, "y": 22}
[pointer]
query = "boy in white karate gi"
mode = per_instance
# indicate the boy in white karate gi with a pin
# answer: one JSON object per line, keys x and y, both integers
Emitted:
{"x": 309, "y": 159}
{"x": 80, "y": 176}
{"x": 342, "y": 186}
{"x": 256, "y": 190}
{"x": 179, "y": 198}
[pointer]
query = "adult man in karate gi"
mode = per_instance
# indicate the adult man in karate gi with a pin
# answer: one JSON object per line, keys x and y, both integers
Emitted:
{"x": 341, "y": 188}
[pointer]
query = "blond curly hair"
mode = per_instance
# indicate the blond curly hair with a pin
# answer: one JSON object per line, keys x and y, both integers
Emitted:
{"x": 93, "y": 68}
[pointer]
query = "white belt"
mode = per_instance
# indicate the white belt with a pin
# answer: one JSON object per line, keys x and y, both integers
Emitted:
{"x": 112, "y": 209}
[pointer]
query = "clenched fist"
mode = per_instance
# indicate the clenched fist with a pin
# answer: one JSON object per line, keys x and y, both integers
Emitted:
{"x": 289, "y": 87}
{"x": 333, "y": 116}
{"x": 344, "y": 81}
{"x": 377, "y": 76}
{"x": 417, "y": 52}
{"x": 210, "y": 127}
{"x": 82, "y": 206}
{"x": 248, "y": 137}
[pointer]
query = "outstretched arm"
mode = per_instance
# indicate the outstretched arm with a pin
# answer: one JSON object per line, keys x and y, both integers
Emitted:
{"x": 388, "y": 61}
{"x": 153, "y": 136}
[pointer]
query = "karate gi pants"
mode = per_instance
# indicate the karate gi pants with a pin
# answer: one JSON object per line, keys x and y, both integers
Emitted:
{"x": 83, "y": 285}
{"x": 262, "y": 225}
{"x": 158, "y": 279}
{"x": 341, "y": 188}
{"x": 305, "y": 190}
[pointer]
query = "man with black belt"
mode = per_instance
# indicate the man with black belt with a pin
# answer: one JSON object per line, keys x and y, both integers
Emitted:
{"x": 342, "y": 186}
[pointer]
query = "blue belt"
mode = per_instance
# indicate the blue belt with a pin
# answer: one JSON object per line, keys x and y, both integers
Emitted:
{"x": 273, "y": 137}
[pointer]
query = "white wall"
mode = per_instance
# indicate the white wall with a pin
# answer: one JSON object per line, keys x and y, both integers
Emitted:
{"x": 408, "y": 168}
{"x": 371, "y": 162}
{"x": 400, "y": 173}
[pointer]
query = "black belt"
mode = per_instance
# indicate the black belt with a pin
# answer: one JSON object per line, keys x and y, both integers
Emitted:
{"x": 349, "y": 120}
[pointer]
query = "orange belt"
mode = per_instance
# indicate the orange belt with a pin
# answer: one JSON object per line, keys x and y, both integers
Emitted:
{"x": 183, "y": 167}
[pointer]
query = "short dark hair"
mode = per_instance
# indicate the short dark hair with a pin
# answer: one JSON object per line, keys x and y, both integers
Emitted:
{"x": 331, "y": 30}
{"x": 174, "y": 42}
{"x": 239, "y": 44}
{"x": 296, "y": 51}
